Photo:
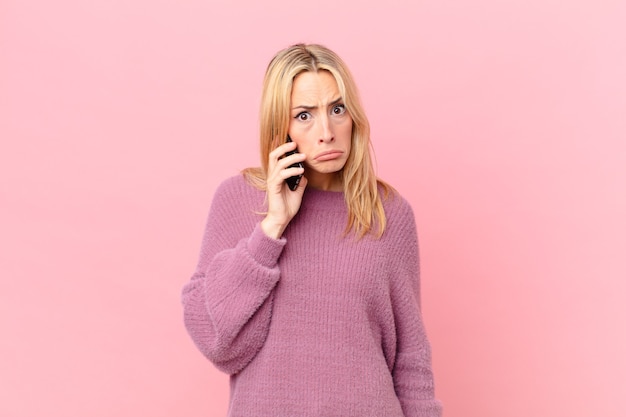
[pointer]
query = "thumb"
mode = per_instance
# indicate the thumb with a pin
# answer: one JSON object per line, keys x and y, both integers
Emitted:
{"x": 302, "y": 185}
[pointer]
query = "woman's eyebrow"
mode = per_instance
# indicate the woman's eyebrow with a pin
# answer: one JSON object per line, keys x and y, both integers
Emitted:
{"x": 335, "y": 101}
{"x": 302, "y": 106}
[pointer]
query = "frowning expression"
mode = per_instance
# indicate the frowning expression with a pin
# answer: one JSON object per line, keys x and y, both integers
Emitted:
{"x": 321, "y": 127}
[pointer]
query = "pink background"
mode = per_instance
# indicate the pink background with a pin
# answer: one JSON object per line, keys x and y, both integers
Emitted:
{"x": 503, "y": 123}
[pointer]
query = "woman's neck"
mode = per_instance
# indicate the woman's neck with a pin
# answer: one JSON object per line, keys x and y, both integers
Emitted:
{"x": 325, "y": 182}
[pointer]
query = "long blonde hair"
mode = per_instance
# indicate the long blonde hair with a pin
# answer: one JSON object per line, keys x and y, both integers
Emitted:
{"x": 360, "y": 184}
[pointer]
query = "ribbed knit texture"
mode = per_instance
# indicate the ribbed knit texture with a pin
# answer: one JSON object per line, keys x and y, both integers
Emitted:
{"x": 316, "y": 323}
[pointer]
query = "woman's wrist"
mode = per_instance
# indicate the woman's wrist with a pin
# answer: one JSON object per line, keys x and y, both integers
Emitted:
{"x": 272, "y": 229}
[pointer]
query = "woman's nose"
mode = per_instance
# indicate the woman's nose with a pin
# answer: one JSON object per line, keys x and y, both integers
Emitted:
{"x": 326, "y": 133}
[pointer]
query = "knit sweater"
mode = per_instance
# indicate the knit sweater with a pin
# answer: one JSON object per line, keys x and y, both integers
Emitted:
{"x": 315, "y": 323}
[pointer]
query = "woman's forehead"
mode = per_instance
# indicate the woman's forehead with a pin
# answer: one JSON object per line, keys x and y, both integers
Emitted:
{"x": 315, "y": 86}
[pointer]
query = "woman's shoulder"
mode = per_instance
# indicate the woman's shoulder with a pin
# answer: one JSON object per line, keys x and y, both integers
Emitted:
{"x": 401, "y": 225}
{"x": 237, "y": 191}
{"x": 233, "y": 182}
{"x": 237, "y": 183}
{"x": 394, "y": 203}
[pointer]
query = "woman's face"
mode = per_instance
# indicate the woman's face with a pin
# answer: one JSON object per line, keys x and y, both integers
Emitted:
{"x": 321, "y": 127}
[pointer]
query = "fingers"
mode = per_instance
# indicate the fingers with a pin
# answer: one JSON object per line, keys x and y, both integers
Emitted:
{"x": 282, "y": 149}
{"x": 277, "y": 181}
{"x": 278, "y": 153}
{"x": 302, "y": 185}
{"x": 283, "y": 204}
{"x": 279, "y": 165}
{"x": 279, "y": 156}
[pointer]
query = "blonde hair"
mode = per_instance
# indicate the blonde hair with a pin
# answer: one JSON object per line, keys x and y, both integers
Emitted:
{"x": 360, "y": 184}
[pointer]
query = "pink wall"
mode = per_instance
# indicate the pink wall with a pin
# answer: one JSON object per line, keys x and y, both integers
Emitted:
{"x": 502, "y": 122}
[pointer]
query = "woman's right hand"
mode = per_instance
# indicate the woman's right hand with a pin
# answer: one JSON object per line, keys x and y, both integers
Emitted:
{"x": 283, "y": 204}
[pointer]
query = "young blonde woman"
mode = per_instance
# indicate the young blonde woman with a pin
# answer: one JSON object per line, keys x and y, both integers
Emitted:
{"x": 309, "y": 299}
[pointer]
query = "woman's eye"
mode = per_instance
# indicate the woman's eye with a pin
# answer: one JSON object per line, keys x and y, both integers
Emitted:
{"x": 304, "y": 116}
{"x": 339, "y": 109}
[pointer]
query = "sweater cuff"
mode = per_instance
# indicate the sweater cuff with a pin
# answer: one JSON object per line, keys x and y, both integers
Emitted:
{"x": 263, "y": 248}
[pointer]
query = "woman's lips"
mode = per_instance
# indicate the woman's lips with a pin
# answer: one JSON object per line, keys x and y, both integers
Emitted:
{"x": 328, "y": 155}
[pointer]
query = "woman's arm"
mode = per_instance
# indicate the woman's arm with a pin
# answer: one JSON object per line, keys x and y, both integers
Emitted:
{"x": 412, "y": 370}
{"x": 228, "y": 301}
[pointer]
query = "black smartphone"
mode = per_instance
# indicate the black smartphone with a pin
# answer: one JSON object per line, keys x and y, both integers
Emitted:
{"x": 292, "y": 182}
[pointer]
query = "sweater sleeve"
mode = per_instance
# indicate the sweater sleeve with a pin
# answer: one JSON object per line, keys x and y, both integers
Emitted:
{"x": 412, "y": 370}
{"x": 228, "y": 301}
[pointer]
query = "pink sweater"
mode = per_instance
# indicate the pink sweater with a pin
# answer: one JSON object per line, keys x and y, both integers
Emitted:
{"x": 313, "y": 324}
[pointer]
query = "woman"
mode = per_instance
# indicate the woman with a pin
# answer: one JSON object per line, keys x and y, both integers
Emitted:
{"x": 309, "y": 298}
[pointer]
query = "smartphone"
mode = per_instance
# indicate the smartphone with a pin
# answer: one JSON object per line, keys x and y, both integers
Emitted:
{"x": 292, "y": 182}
